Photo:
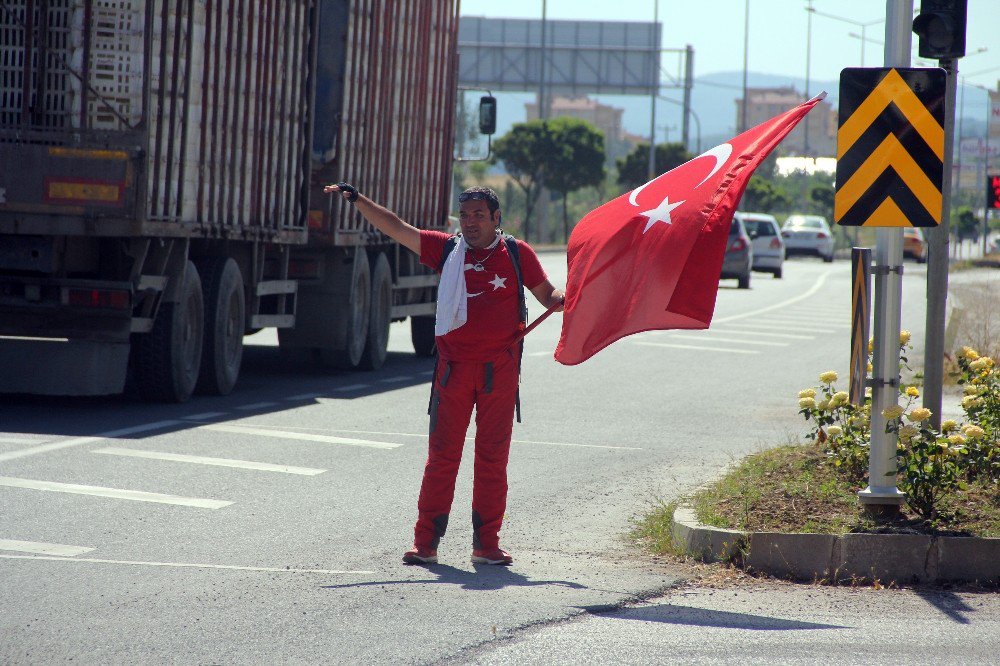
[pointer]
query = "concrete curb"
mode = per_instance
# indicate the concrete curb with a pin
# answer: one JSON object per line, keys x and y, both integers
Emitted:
{"x": 887, "y": 558}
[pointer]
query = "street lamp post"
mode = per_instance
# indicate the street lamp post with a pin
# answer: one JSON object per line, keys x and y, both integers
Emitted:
{"x": 697, "y": 121}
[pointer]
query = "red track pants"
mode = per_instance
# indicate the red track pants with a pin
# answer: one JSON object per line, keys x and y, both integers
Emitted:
{"x": 458, "y": 387}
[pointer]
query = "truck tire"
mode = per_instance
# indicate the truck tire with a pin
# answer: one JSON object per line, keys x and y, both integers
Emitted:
{"x": 351, "y": 307}
{"x": 225, "y": 319}
{"x": 166, "y": 360}
{"x": 379, "y": 315}
{"x": 422, "y": 335}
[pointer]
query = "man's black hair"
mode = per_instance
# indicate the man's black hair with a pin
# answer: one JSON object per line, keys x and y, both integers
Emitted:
{"x": 481, "y": 194}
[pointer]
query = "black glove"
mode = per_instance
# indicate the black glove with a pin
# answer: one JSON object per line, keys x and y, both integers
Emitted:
{"x": 352, "y": 192}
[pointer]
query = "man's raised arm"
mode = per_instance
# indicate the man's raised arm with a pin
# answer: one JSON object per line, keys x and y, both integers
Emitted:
{"x": 380, "y": 217}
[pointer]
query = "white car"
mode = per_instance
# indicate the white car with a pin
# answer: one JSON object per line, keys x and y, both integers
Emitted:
{"x": 765, "y": 236}
{"x": 808, "y": 234}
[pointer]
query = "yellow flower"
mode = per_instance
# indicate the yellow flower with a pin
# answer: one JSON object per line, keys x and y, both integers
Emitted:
{"x": 956, "y": 440}
{"x": 869, "y": 368}
{"x": 823, "y": 405}
{"x": 828, "y": 377}
{"x": 908, "y": 432}
{"x": 893, "y": 412}
{"x": 948, "y": 426}
{"x": 971, "y": 390}
{"x": 973, "y": 431}
{"x": 981, "y": 363}
{"x": 919, "y": 414}
{"x": 807, "y": 403}
{"x": 970, "y": 353}
{"x": 971, "y": 401}
{"x": 904, "y": 337}
{"x": 839, "y": 399}
{"x": 834, "y": 431}
{"x": 871, "y": 344}
{"x": 807, "y": 393}
{"x": 912, "y": 391}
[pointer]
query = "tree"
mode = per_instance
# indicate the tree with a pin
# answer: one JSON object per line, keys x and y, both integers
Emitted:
{"x": 764, "y": 196}
{"x": 575, "y": 161}
{"x": 966, "y": 224}
{"x": 524, "y": 151}
{"x": 633, "y": 169}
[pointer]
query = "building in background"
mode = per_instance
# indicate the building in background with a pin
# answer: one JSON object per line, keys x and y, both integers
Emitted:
{"x": 765, "y": 103}
{"x": 608, "y": 119}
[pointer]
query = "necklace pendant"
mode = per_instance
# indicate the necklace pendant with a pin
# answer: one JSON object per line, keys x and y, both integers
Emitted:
{"x": 478, "y": 267}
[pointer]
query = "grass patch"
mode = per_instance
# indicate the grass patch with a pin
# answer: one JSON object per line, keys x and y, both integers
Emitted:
{"x": 795, "y": 488}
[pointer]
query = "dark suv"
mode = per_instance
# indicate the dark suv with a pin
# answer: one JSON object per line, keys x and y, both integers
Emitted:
{"x": 739, "y": 255}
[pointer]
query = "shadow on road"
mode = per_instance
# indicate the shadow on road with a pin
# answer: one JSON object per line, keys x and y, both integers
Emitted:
{"x": 703, "y": 617}
{"x": 483, "y": 577}
{"x": 948, "y": 603}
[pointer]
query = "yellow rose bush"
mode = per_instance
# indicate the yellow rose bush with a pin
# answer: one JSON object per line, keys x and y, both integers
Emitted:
{"x": 981, "y": 378}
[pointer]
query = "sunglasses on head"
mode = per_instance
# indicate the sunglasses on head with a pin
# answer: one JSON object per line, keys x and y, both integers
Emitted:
{"x": 474, "y": 196}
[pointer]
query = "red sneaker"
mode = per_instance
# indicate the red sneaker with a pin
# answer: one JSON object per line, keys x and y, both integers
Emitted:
{"x": 420, "y": 556}
{"x": 495, "y": 556}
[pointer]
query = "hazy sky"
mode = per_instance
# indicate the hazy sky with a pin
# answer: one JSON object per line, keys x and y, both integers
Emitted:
{"x": 778, "y": 29}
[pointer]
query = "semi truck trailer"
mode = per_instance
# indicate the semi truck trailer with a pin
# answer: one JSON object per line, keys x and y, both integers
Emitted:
{"x": 161, "y": 174}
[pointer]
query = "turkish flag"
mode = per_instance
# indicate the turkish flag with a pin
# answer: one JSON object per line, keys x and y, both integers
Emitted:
{"x": 651, "y": 259}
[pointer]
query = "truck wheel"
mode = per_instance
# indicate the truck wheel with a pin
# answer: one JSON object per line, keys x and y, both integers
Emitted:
{"x": 422, "y": 335}
{"x": 166, "y": 360}
{"x": 379, "y": 312}
{"x": 225, "y": 308}
{"x": 744, "y": 281}
{"x": 351, "y": 307}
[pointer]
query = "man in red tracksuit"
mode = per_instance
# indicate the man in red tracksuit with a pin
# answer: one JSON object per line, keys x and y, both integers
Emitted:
{"x": 476, "y": 368}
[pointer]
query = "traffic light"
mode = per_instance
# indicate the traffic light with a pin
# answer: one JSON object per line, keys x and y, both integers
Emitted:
{"x": 993, "y": 192}
{"x": 940, "y": 26}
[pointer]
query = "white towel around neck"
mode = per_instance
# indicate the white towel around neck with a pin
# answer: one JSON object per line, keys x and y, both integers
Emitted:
{"x": 453, "y": 296}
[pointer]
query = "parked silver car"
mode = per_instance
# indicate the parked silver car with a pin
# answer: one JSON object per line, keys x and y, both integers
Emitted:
{"x": 738, "y": 261}
{"x": 765, "y": 236}
{"x": 808, "y": 234}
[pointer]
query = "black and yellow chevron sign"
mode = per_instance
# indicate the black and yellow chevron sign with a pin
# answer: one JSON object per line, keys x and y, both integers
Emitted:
{"x": 890, "y": 147}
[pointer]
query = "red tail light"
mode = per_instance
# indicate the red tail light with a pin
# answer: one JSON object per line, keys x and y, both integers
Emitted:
{"x": 114, "y": 299}
{"x": 821, "y": 235}
{"x": 738, "y": 245}
{"x": 775, "y": 244}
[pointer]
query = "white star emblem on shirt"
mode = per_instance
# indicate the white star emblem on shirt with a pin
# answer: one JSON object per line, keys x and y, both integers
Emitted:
{"x": 498, "y": 282}
{"x": 661, "y": 213}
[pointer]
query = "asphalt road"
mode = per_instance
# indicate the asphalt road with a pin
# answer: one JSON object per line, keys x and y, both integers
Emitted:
{"x": 266, "y": 526}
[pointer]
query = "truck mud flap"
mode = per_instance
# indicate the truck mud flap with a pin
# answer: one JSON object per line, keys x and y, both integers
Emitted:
{"x": 53, "y": 367}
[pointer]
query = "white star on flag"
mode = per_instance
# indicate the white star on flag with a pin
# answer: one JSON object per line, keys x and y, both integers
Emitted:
{"x": 498, "y": 282}
{"x": 661, "y": 213}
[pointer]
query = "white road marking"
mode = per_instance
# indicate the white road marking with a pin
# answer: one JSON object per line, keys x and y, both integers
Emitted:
{"x": 202, "y": 460}
{"x": 43, "y": 548}
{"x": 543, "y": 353}
{"x": 256, "y": 405}
{"x": 17, "y": 440}
{"x": 712, "y": 349}
{"x": 352, "y": 387}
{"x": 779, "y": 327}
{"x": 783, "y": 304}
{"x": 204, "y": 416}
{"x": 716, "y": 338}
{"x": 286, "y": 434}
{"x": 184, "y": 565}
{"x": 807, "y": 321}
{"x": 303, "y": 396}
{"x": 77, "y": 441}
{"x": 742, "y": 328}
{"x": 114, "y": 493}
{"x": 581, "y": 446}
{"x": 393, "y": 380}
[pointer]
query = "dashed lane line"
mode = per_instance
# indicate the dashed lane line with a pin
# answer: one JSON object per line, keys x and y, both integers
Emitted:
{"x": 113, "y": 493}
{"x": 187, "y": 565}
{"x": 287, "y": 434}
{"x": 205, "y": 416}
{"x": 698, "y": 347}
{"x": 203, "y": 460}
{"x": 39, "y": 548}
{"x": 807, "y": 294}
{"x": 257, "y": 405}
{"x": 352, "y": 387}
{"x": 716, "y": 338}
{"x": 777, "y": 327}
{"x": 740, "y": 328}
{"x": 395, "y": 380}
{"x": 303, "y": 396}
{"x": 77, "y": 441}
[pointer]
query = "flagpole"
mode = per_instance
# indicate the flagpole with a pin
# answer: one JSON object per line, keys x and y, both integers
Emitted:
{"x": 531, "y": 327}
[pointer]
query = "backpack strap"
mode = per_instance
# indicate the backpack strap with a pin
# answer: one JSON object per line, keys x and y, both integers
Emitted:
{"x": 449, "y": 245}
{"x": 515, "y": 258}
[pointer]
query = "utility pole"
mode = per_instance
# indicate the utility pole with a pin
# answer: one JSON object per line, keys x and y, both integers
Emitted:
{"x": 688, "y": 84}
{"x": 938, "y": 254}
{"x": 655, "y": 81}
{"x": 881, "y": 497}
